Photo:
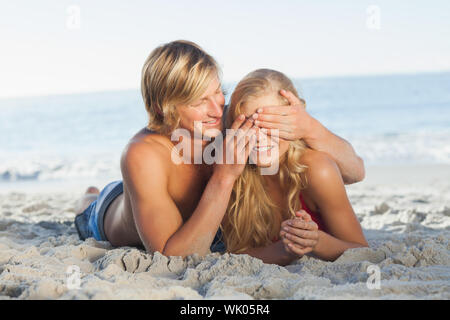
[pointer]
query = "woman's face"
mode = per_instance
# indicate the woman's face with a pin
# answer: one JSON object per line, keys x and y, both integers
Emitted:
{"x": 205, "y": 113}
{"x": 264, "y": 154}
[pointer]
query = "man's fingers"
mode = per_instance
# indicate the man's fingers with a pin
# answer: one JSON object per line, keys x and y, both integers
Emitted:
{"x": 274, "y": 118}
{"x": 277, "y": 110}
{"x": 288, "y": 128}
{"x": 279, "y": 134}
{"x": 243, "y": 130}
{"x": 243, "y": 136}
{"x": 293, "y": 100}
{"x": 238, "y": 122}
{"x": 249, "y": 146}
{"x": 286, "y": 242}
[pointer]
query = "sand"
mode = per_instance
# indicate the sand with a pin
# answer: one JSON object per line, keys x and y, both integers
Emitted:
{"x": 404, "y": 212}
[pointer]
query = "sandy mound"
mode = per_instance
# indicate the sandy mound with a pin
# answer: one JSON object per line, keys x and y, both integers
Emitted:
{"x": 407, "y": 229}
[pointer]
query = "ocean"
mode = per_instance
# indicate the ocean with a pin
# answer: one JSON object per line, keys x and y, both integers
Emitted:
{"x": 390, "y": 120}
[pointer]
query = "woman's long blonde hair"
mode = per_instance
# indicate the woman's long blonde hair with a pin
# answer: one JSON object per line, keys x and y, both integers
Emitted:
{"x": 252, "y": 218}
{"x": 174, "y": 73}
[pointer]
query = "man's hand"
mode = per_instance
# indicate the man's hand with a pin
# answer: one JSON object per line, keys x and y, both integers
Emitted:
{"x": 293, "y": 122}
{"x": 299, "y": 235}
{"x": 237, "y": 145}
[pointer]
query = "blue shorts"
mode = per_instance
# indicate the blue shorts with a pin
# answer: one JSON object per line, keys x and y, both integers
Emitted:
{"x": 89, "y": 223}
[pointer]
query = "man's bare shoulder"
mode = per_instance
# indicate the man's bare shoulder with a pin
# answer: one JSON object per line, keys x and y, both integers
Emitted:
{"x": 146, "y": 150}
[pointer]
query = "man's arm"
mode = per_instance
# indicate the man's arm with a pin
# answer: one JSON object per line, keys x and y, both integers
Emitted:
{"x": 350, "y": 164}
{"x": 293, "y": 122}
{"x": 146, "y": 171}
{"x": 158, "y": 220}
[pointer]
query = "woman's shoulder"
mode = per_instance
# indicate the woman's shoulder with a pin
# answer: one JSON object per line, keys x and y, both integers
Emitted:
{"x": 316, "y": 159}
{"x": 323, "y": 178}
{"x": 320, "y": 166}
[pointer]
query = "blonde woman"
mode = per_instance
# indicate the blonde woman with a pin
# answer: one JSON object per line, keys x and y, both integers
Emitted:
{"x": 301, "y": 209}
{"x": 176, "y": 208}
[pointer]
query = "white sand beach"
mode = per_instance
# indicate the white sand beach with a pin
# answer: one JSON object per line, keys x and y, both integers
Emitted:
{"x": 404, "y": 212}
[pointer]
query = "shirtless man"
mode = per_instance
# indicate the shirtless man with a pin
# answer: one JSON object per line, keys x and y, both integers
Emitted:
{"x": 177, "y": 209}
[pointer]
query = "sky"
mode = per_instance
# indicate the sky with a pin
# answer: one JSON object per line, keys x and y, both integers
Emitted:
{"x": 57, "y": 47}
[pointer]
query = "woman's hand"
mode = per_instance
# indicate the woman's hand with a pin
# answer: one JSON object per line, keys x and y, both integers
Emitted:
{"x": 300, "y": 235}
{"x": 237, "y": 144}
{"x": 293, "y": 122}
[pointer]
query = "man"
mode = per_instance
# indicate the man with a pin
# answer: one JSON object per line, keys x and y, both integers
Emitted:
{"x": 176, "y": 208}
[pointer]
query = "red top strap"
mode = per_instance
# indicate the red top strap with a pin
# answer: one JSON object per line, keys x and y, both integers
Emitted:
{"x": 314, "y": 215}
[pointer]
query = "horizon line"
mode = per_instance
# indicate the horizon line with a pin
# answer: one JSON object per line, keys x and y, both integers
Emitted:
{"x": 338, "y": 76}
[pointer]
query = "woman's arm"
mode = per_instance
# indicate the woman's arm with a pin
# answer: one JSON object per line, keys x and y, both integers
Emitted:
{"x": 326, "y": 189}
{"x": 274, "y": 253}
{"x": 330, "y": 248}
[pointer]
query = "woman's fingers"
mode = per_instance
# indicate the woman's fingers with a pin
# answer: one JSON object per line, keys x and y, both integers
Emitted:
{"x": 300, "y": 240}
{"x": 236, "y": 139}
{"x": 299, "y": 250}
{"x": 300, "y": 224}
{"x": 306, "y": 234}
{"x": 273, "y": 125}
{"x": 286, "y": 242}
{"x": 304, "y": 215}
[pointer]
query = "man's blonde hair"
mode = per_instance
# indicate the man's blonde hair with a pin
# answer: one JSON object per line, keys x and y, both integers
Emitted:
{"x": 177, "y": 72}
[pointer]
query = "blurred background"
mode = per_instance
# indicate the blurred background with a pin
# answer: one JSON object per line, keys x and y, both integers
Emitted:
{"x": 377, "y": 73}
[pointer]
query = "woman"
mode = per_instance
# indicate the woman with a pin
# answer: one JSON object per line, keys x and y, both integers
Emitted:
{"x": 304, "y": 203}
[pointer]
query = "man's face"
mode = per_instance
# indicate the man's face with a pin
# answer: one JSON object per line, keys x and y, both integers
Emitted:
{"x": 205, "y": 112}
